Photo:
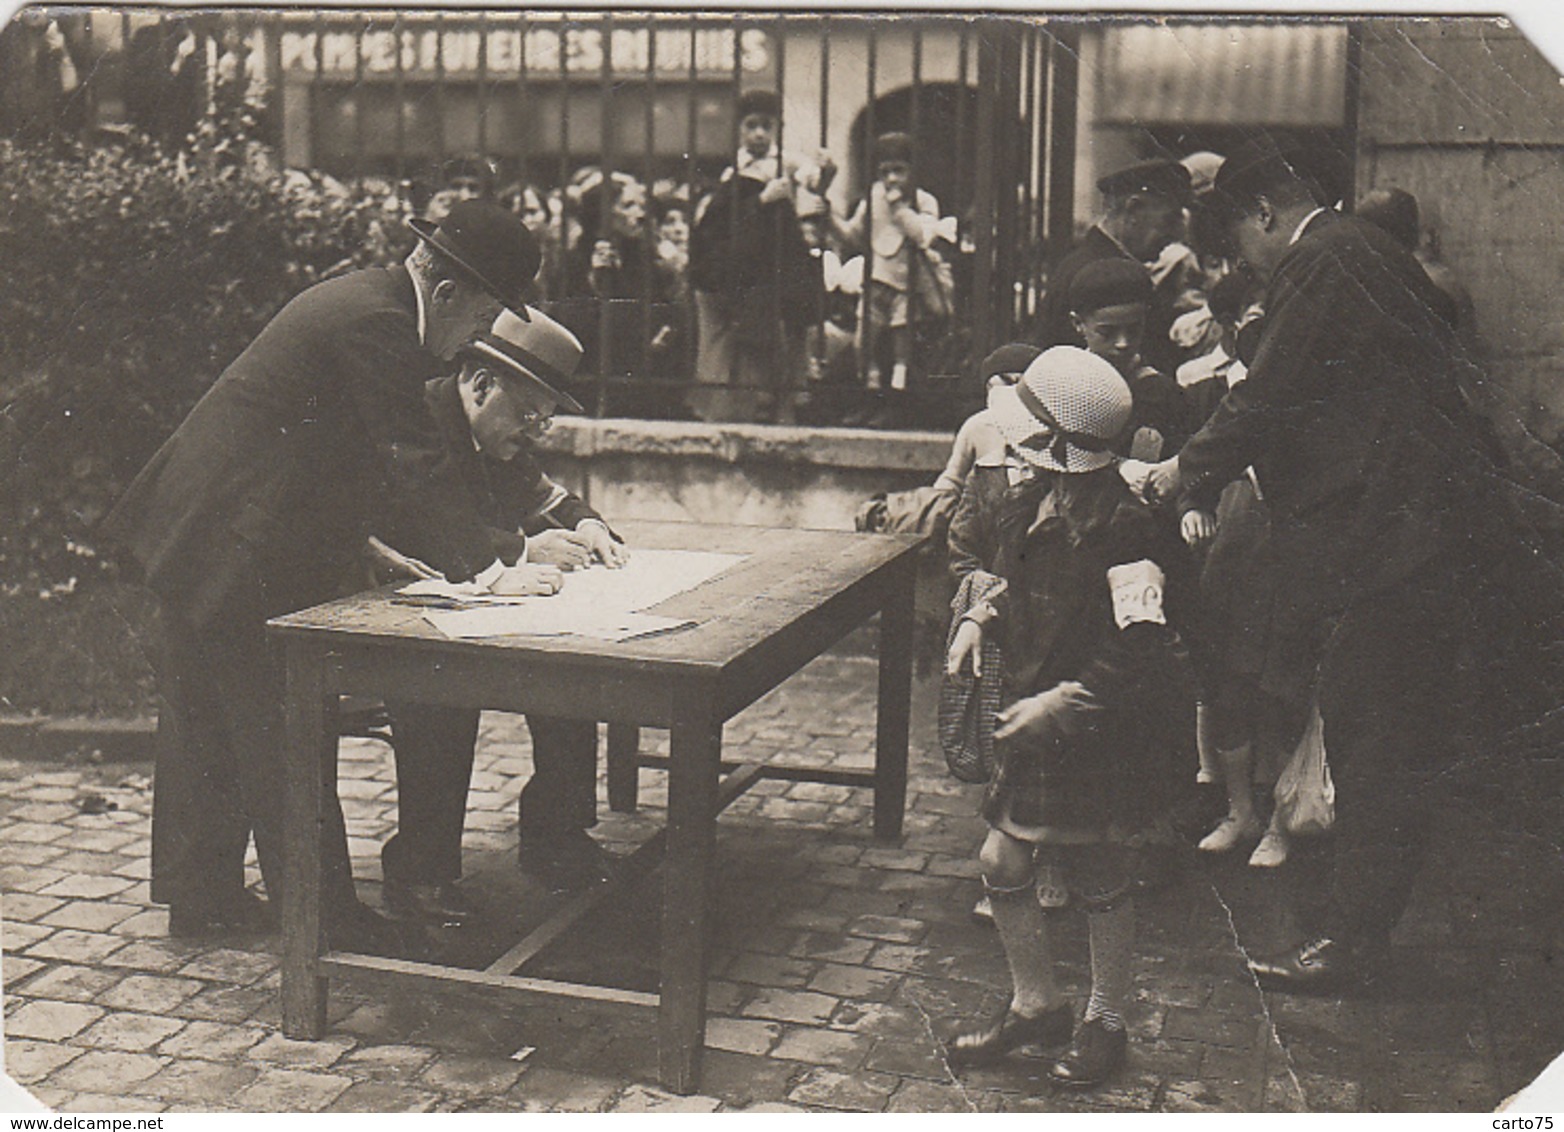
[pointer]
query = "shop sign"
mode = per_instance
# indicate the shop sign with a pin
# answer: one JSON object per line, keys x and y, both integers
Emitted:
{"x": 576, "y": 51}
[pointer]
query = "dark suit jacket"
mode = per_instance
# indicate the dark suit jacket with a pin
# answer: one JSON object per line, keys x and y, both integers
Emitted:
{"x": 511, "y": 496}
{"x": 263, "y": 496}
{"x": 1352, "y": 419}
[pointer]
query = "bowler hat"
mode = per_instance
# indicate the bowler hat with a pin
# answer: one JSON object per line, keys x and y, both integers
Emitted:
{"x": 1164, "y": 178}
{"x": 490, "y": 244}
{"x": 534, "y": 347}
{"x": 1260, "y": 164}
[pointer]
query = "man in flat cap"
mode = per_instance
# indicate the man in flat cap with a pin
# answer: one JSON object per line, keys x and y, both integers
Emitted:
{"x": 1394, "y": 549}
{"x": 757, "y": 286}
{"x": 1143, "y": 213}
{"x": 490, "y": 416}
{"x": 260, "y": 504}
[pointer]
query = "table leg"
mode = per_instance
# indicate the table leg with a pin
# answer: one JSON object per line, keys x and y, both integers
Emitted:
{"x": 895, "y": 705}
{"x": 695, "y": 758}
{"x": 303, "y": 987}
{"x": 624, "y": 777}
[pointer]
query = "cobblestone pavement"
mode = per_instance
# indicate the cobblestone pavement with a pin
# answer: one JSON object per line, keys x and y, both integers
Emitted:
{"x": 839, "y": 961}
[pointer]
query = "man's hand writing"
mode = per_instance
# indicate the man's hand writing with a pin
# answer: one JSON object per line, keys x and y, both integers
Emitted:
{"x": 569, "y": 550}
{"x": 528, "y": 579}
{"x": 602, "y": 545}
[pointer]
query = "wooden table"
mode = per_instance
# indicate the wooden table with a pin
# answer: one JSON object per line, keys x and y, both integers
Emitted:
{"x": 796, "y": 594}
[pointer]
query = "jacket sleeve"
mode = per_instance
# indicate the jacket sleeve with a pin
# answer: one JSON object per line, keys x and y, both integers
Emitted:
{"x": 972, "y": 539}
{"x": 382, "y": 372}
{"x": 1301, "y": 316}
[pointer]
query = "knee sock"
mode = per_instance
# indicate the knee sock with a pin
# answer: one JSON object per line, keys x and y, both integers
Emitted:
{"x": 1112, "y": 935}
{"x": 1024, "y": 934}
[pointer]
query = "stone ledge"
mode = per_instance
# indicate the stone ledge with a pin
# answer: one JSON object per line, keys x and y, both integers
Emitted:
{"x": 751, "y": 443}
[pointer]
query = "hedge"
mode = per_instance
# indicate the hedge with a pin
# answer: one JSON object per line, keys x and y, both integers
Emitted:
{"x": 132, "y": 276}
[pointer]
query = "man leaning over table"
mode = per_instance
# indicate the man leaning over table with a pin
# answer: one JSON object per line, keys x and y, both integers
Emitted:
{"x": 258, "y": 505}
{"x": 490, "y": 416}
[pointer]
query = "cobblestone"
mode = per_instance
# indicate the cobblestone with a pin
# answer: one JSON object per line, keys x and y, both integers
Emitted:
{"x": 841, "y": 962}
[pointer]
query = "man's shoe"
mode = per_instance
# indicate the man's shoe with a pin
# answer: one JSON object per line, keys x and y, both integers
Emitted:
{"x": 244, "y": 912}
{"x": 1092, "y": 1058}
{"x": 1319, "y": 964}
{"x": 565, "y": 861}
{"x": 441, "y": 905}
{"x": 1009, "y": 1031}
{"x": 361, "y": 929}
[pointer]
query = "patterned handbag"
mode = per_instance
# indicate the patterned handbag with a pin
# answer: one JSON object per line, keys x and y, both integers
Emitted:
{"x": 967, "y": 705}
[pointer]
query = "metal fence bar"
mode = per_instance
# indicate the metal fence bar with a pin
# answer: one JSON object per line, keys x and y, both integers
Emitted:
{"x": 360, "y": 131}
{"x": 523, "y": 103}
{"x": 483, "y": 87}
{"x": 982, "y": 315}
{"x": 316, "y": 149}
{"x": 400, "y": 94}
{"x": 606, "y": 195}
{"x": 1065, "y": 51}
{"x": 439, "y": 98}
{"x": 866, "y": 342}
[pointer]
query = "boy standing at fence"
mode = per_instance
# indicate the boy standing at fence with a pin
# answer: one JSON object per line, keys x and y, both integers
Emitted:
{"x": 757, "y": 287}
{"x": 898, "y": 223}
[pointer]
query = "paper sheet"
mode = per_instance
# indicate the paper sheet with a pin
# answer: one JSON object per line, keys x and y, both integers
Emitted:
{"x": 597, "y": 602}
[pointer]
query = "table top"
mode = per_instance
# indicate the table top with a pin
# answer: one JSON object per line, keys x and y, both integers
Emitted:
{"x": 788, "y": 575}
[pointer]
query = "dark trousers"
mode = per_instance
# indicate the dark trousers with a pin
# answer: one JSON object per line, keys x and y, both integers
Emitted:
{"x": 434, "y": 756}
{"x": 1392, "y": 703}
{"x": 218, "y": 775}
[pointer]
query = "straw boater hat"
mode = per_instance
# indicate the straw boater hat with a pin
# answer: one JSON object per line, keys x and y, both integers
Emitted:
{"x": 1066, "y": 411}
{"x": 490, "y": 245}
{"x": 539, "y": 352}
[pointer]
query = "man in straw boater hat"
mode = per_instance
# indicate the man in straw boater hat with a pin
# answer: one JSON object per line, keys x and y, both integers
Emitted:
{"x": 260, "y": 504}
{"x": 490, "y": 416}
{"x": 1406, "y": 572}
{"x": 1143, "y": 213}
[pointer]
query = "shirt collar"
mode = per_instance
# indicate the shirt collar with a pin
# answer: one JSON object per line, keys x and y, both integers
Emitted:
{"x": 762, "y": 168}
{"x": 423, "y": 312}
{"x": 1302, "y": 225}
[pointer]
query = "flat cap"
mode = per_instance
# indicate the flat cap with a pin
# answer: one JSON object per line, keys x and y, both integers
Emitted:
{"x": 1164, "y": 178}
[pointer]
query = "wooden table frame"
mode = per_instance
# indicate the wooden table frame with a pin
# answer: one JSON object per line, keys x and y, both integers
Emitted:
{"x": 798, "y": 593}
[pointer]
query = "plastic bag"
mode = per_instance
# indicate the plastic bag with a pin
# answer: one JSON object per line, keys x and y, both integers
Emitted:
{"x": 1305, "y": 795}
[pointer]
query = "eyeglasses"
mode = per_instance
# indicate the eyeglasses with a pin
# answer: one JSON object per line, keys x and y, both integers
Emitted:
{"x": 541, "y": 420}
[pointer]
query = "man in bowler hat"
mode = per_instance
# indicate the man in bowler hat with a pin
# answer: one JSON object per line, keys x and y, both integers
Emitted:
{"x": 260, "y": 504}
{"x": 1143, "y": 213}
{"x": 490, "y": 416}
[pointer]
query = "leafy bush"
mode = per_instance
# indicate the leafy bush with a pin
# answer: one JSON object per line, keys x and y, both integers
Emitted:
{"x": 132, "y": 276}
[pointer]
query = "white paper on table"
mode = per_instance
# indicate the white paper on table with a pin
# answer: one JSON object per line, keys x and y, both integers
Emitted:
{"x": 598, "y": 601}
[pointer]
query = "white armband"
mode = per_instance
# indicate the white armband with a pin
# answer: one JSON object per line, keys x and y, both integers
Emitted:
{"x": 1137, "y": 592}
